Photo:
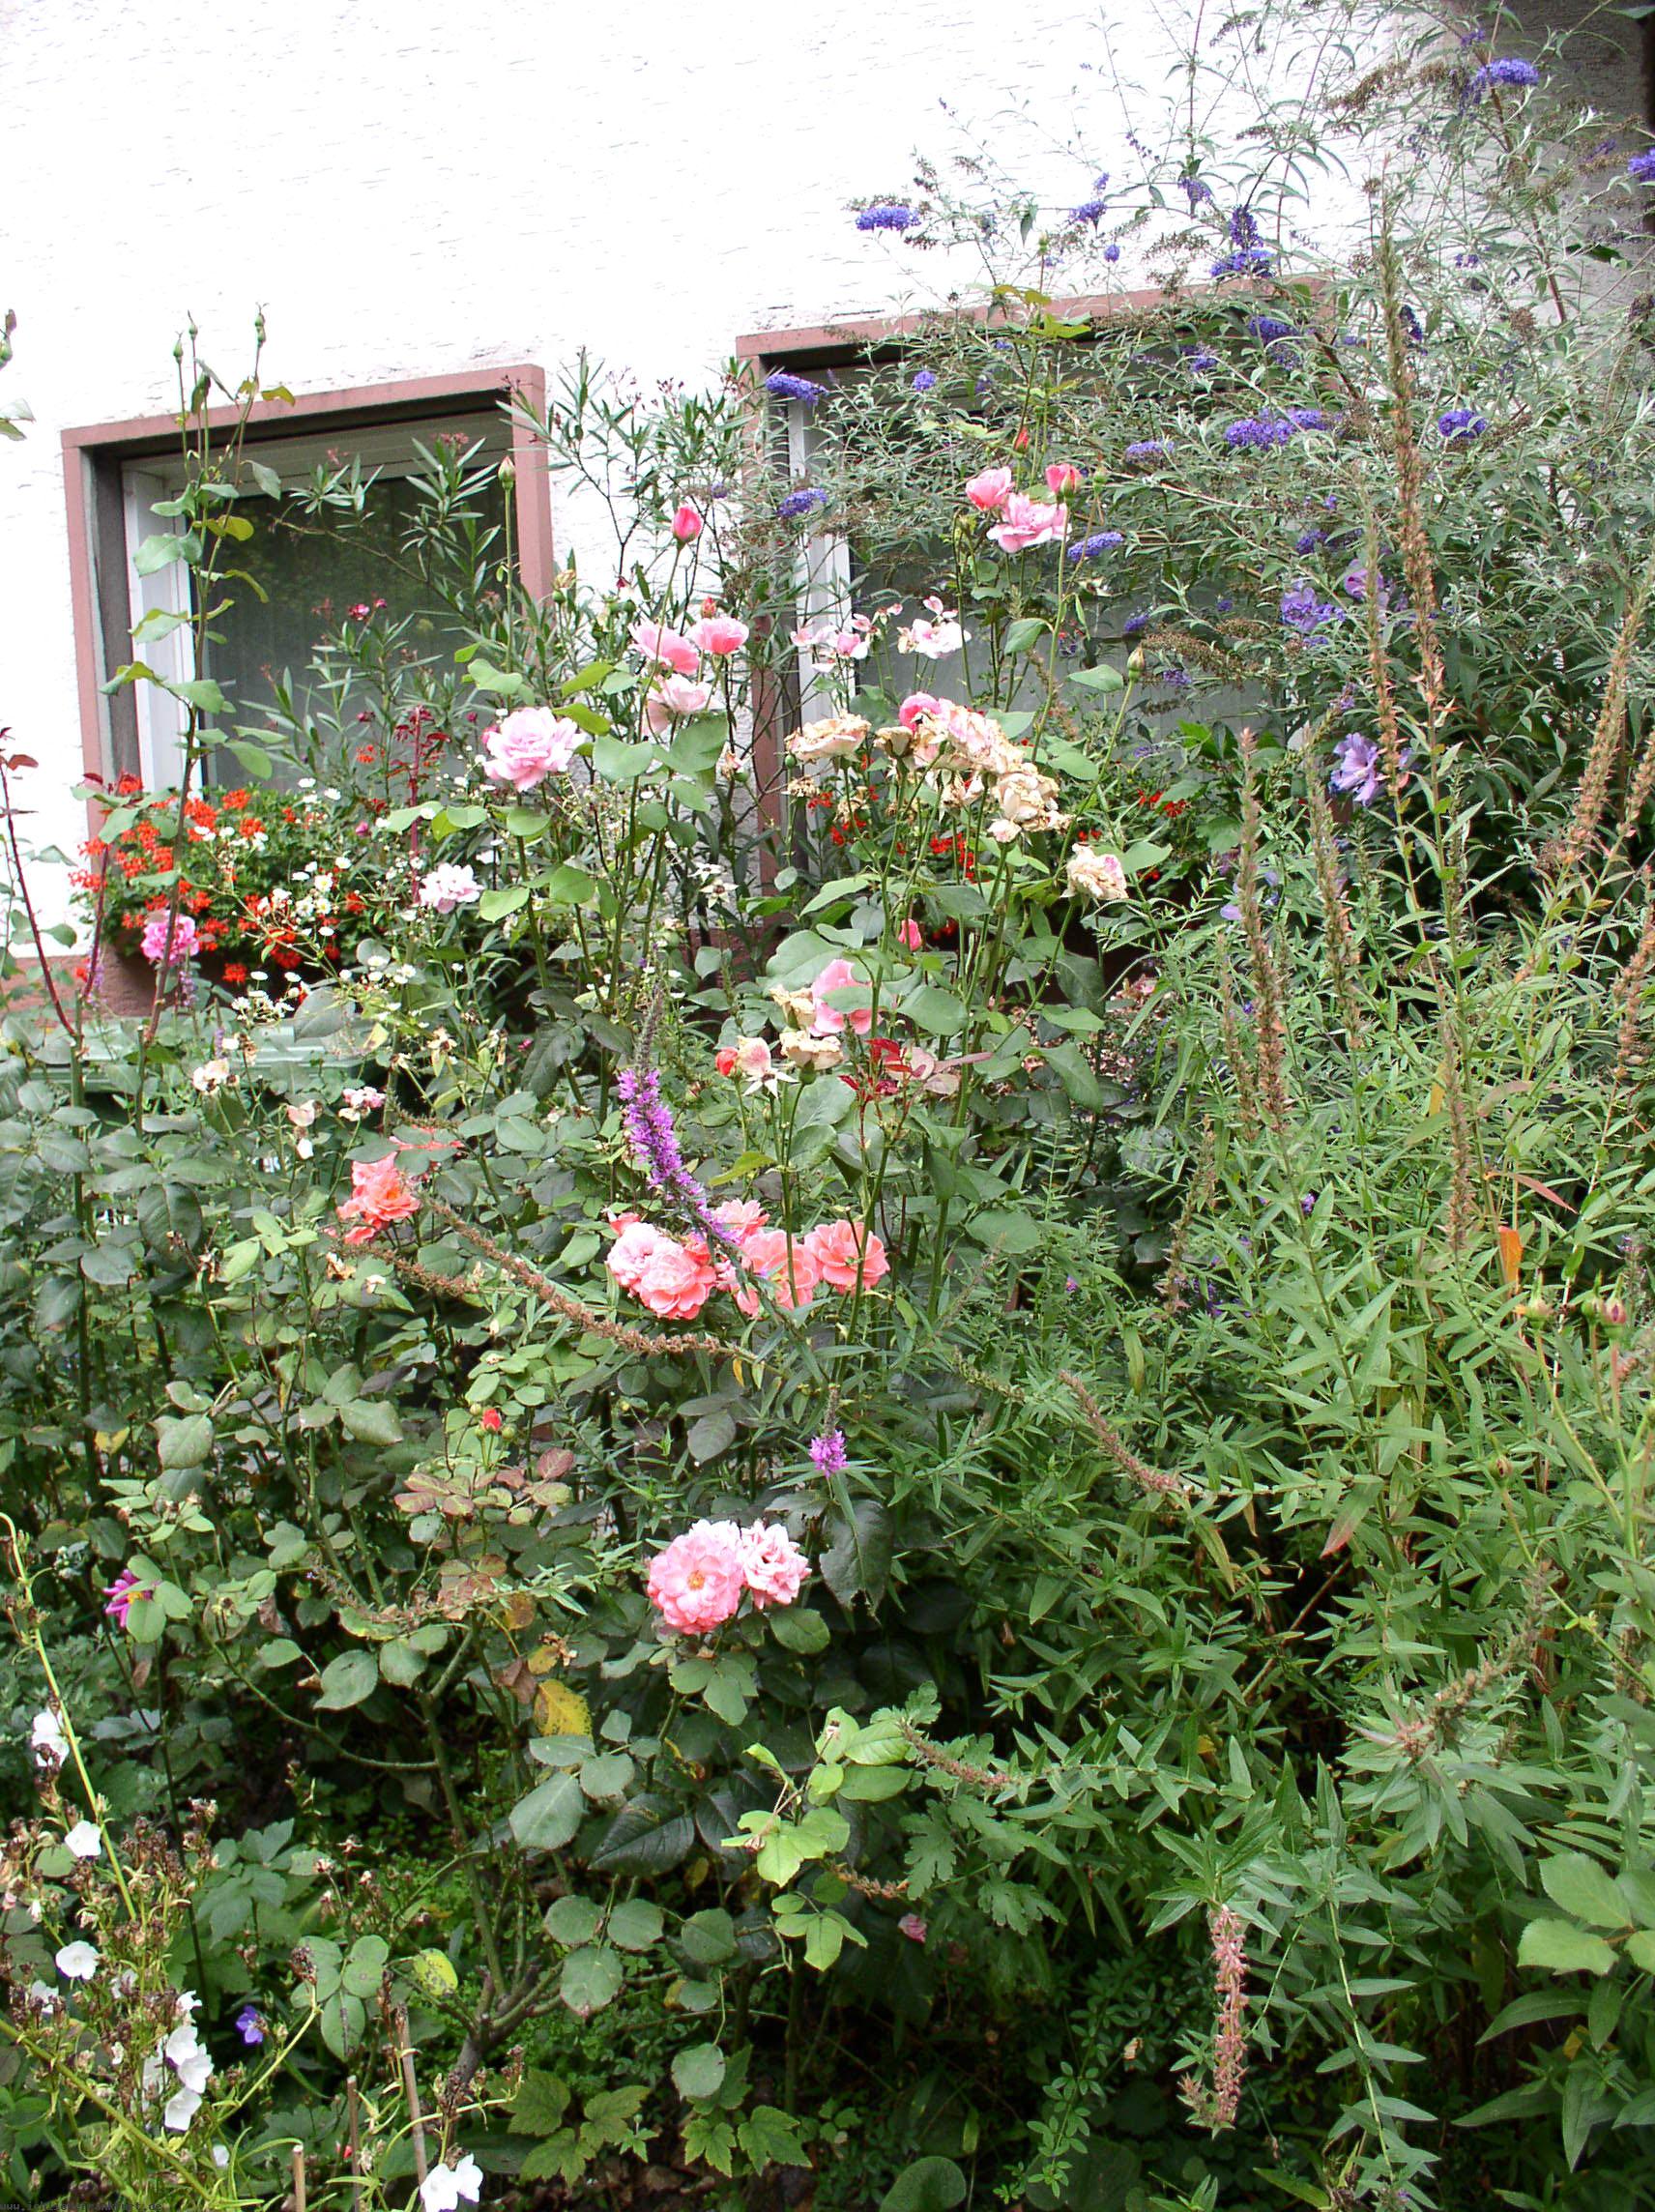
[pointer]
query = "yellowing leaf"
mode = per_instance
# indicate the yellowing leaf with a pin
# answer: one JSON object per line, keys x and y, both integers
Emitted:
{"x": 560, "y": 1711}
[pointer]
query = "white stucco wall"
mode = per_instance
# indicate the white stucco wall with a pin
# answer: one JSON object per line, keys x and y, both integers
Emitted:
{"x": 408, "y": 188}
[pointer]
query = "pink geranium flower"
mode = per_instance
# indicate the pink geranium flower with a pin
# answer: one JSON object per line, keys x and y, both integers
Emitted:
{"x": 672, "y": 698}
{"x": 990, "y": 491}
{"x": 775, "y": 1566}
{"x": 667, "y": 647}
{"x": 528, "y": 746}
{"x": 379, "y": 1196}
{"x": 837, "y": 977}
{"x": 696, "y": 1583}
{"x": 841, "y": 1250}
{"x": 1030, "y": 523}
{"x": 719, "y": 635}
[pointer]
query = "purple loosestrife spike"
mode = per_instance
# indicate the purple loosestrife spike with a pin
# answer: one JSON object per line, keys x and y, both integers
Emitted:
{"x": 652, "y": 1139}
{"x": 827, "y": 1453}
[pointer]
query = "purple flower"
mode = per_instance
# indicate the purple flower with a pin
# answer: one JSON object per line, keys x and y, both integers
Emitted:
{"x": 1090, "y": 211}
{"x": 1100, "y": 541}
{"x": 1134, "y": 623}
{"x": 1225, "y": 605}
{"x": 1267, "y": 329}
{"x": 1307, "y": 1204}
{"x": 1355, "y": 582}
{"x": 1173, "y": 678}
{"x": 786, "y": 386}
{"x": 925, "y": 380}
{"x": 1259, "y": 431}
{"x": 827, "y": 1453}
{"x": 887, "y": 214}
{"x": 1460, "y": 425}
{"x": 1642, "y": 169}
{"x": 1112, "y": 251}
{"x": 1303, "y": 611}
{"x": 250, "y": 2025}
{"x": 1307, "y": 419}
{"x": 652, "y": 1141}
{"x": 1514, "y": 74}
{"x": 798, "y": 502}
{"x": 1308, "y": 540}
{"x": 1200, "y": 357}
{"x": 1195, "y": 190}
{"x": 1147, "y": 449}
{"x": 120, "y": 1592}
{"x": 1245, "y": 261}
{"x": 1358, "y": 771}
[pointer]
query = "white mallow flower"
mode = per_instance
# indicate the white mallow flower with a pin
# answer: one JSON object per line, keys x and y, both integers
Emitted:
{"x": 47, "y": 1736}
{"x": 76, "y": 1961}
{"x": 84, "y": 1841}
{"x": 179, "y": 2109}
{"x": 447, "y": 2187}
{"x": 44, "y": 1998}
{"x": 191, "y": 2063}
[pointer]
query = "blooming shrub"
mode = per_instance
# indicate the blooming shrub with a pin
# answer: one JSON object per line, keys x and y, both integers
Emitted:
{"x": 909, "y": 1439}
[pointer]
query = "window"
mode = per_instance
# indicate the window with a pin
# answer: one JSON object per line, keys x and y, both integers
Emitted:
{"x": 117, "y": 475}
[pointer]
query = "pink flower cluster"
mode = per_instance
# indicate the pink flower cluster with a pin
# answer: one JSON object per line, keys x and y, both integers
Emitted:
{"x": 185, "y": 942}
{"x": 674, "y": 661}
{"x": 675, "y": 1278}
{"x": 1024, "y": 522}
{"x": 698, "y": 1581}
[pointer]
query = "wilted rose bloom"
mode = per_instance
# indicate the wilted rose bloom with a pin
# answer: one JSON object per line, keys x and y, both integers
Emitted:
{"x": 751, "y": 1059}
{"x": 827, "y": 994}
{"x": 686, "y": 524}
{"x": 528, "y": 746}
{"x": 360, "y": 1099}
{"x": 379, "y": 1196}
{"x": 697, "y": 1582}
{"x": 1061, "y": 476}
{"x": 843, "y": 1250}
{"x": 1095, "y": 875}
{"x": 834, "y": 738}
{"x": 211, "y": 1075}
{"x": 989, "y": 491}
{"x": 1030, "y": 523}
{"x": 719, "y": 635}
{"x": 912, "y": 1926}
{"x": 671, "y": 698}
{"x": 449, "y": 885}
{"x": 668, "y": 648}
{"x": 803, "y": 1048}
{"x": 775, "y": 1566}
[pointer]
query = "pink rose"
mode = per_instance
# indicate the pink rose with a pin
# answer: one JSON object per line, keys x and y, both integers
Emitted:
{"x": 449, "y": 885}
{"x": 667, "y": 647}
{"x": 990, "y": 491}
{"x": 719, "y": 635}
{"x": 743, "y": 1217}
{"x": 912, "y": 1926}
{"x": 1061, "y": 476}
{"x": 696, "y": 1583}
{"x": 670, "y": 699}
{"x": 674, "y": 1280}
{"x": 841, "y": 1250}
{"x": 775, "y": 1568}
{"x": 1028, "y": 523}
{"x": 910, "y": 936}
{"x": 185, "y": 941}
{"x": 528, "y": 746}
{"x": 919, "y": 706}
{"x": 687, "y": 525}
{"x": 787, "y": 1266}
{"x": 839, "y": 975}
{"x": 379, "y": 1196}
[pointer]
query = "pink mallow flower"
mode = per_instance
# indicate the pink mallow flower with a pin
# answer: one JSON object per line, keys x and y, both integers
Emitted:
{"x": 671, "y": 699}
{"x": 667, "y": 647}
{"x": 1028, "y": 523}
{"x": 841, "y": 1250}
{"x": 775, "y": 1566}
{"x": 989, "y": 492}
{"x": 696, "y": 1583}
{"x": 827, "y": 994}
{"x": 687, "y": 523}
{"x": 528, "y": 746}
{"x": 185, "y": 940}
{"x": 719, "y": 635}
{"x": 674, "y": 1280}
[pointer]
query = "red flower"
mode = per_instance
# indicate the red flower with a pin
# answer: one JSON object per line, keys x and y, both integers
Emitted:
{"x": 233, "y": 972}
{"x": 490, "y": 1420}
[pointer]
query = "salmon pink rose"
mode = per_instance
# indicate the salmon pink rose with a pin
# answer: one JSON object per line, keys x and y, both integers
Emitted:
{"x": 741, "y": 1217}
{"x": 719, "y": 635}
{"x": 789, "y": 1269}
{"x": 379, "y": 1196}
{"x": 674, "y": 1280}
{"x": 775, "y": 1566}
{"x": 1030, "y": 523}
{"x": 989, "y": 492}
{"x": 829, "y": 1018}
{"x": 696, "y": 1583}
{"x": 841, "y": 1250}
{"x": 528, "y": 746}
{"x": 671, "y": 699}
{"x": 666, "y": 648}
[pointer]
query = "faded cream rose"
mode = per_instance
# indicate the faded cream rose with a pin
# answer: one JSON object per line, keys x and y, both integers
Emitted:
{"x": 799, "y": 1049}
{"x": 836, "y": 738}
{"x": 1095, "y": 875}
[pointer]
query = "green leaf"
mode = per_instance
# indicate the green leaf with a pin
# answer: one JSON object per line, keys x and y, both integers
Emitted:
{"x": 201, "y": 692}
{"x": 1024, "y": 633}
{"x": 400, "y": 1663}
{"x": 572, "y": 1921}
{"x": 347, "y": 1681}
{"x": 770, "y": 2137}
{"x": 496, "y": 905}
{"x": 590, "y": 1979}
{"x": 1580, "y": 1886}
{"x": 698, "y": 2073}
{"x": 796, "y": 1628}
{"x": 185, "y": 1442}
{"x": 1076, "y": 1075}
{"x": 1100, "y": 678}
{"x": 549, "y": 1817}
{"x": 646, "y": 1837}
{"x": 485, "y": 677}
{"x": 1563, "y": 1947}
{"x": 1641, "y": 1949}
{"x": 370, "y": 1422}
{"x": 540, "y": 2103}
{"x": 856, "y": 1562}
{"x": 938, "y": 1012}
{"x": 636, "y": 1925}
{"x": 253, "y": 758}
{"x": 708, "y": 1938}
{"x": 163, "y": 549}
{"x": 928, "y": 2185}
{"x": 365, "y": 1968}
